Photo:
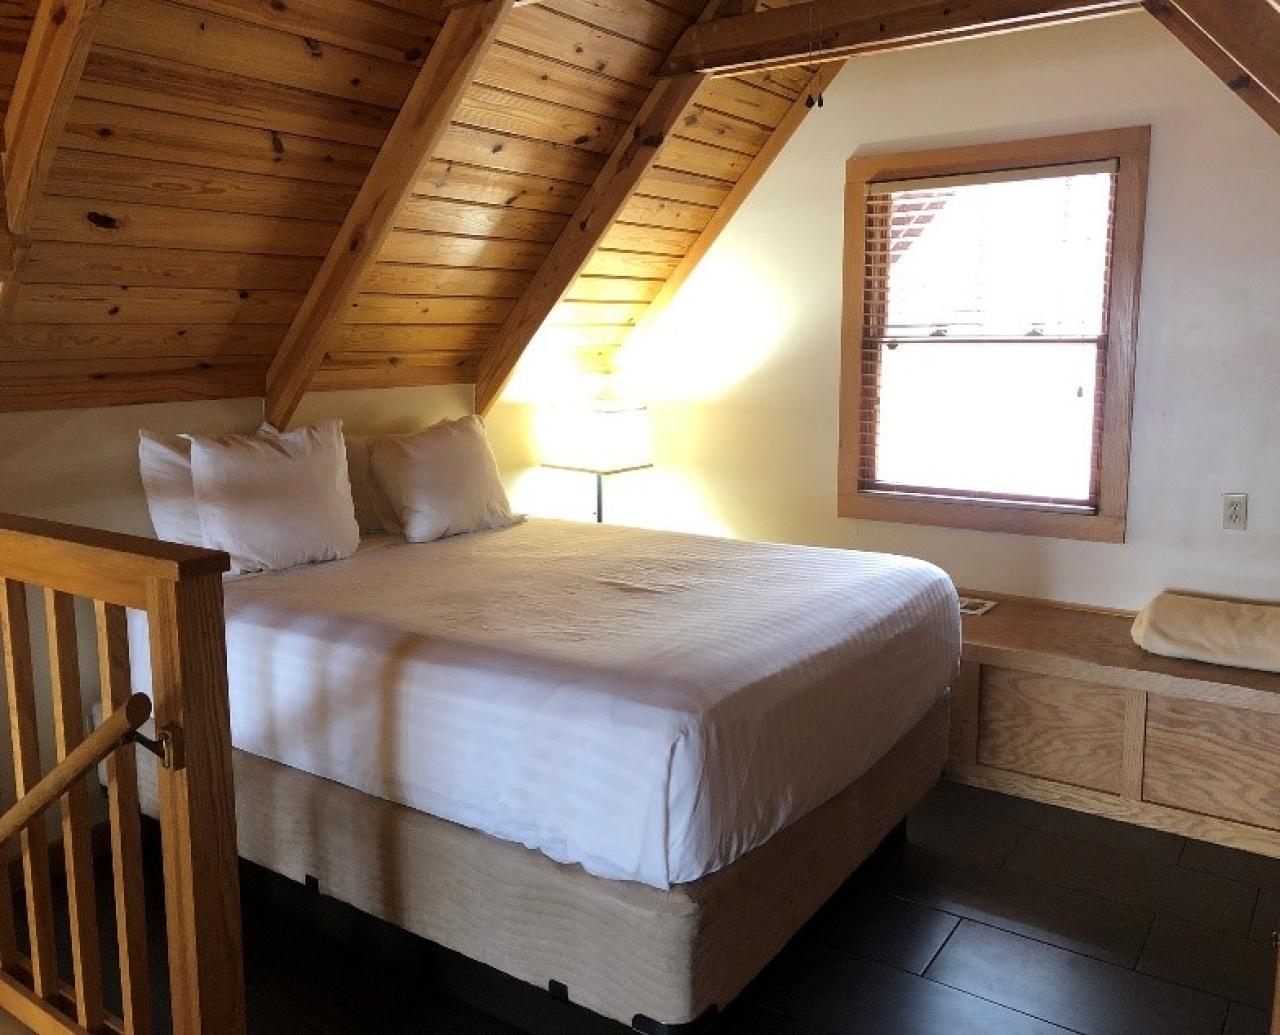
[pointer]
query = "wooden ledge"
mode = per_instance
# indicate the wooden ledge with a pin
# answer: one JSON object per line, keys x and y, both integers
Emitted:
{"x": 1091, "y": 644}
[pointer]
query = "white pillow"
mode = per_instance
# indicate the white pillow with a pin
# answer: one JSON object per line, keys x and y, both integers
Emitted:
{"x": 442, "y": 481}
{"x": 276, "y": 500}
{"x": 165, "y": 463}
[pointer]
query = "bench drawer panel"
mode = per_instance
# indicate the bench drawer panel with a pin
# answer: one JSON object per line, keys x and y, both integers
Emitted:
{"x": 1213, "y": 759}
{"x": 1052, "y": 727}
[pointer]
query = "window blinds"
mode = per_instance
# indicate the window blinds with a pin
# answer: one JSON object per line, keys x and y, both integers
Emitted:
{"x": 984, "y": 334}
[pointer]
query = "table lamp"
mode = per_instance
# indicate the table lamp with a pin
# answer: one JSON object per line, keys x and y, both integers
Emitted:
{"x": 599, "y": 438}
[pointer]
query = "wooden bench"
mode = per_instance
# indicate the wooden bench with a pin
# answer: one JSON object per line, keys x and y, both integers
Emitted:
{"x": 1058, "y": 704}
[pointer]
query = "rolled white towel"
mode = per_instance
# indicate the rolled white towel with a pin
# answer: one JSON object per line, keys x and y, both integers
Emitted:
{"x": 1223, "y": 632}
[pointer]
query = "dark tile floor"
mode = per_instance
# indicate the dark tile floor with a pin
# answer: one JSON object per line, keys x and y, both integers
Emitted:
{"x": 996, "y": 915}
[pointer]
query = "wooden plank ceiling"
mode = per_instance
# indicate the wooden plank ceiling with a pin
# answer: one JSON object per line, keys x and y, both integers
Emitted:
{"x": 213, "y": 149}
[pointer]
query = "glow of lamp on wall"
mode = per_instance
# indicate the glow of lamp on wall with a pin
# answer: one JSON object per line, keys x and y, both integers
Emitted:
{"x": 599, "y": 438}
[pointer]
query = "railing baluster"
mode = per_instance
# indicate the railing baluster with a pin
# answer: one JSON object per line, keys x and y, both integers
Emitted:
{"x": 197, "y": 806}
{"x": 26, "y": 774}
{"x": 126, "y": 833}
{"x": 68, "y": 726}
{"x": 9, "y": 955}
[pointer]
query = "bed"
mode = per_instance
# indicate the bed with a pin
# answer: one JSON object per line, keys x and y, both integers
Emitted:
{"x": 626, "y": 765}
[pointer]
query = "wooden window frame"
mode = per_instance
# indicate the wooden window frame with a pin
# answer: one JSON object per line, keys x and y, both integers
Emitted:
{"x": 1130, "y": 148}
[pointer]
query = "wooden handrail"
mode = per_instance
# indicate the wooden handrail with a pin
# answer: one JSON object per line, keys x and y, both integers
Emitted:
{"x": 90, "y": 562}
{"x": 92, "y": 750}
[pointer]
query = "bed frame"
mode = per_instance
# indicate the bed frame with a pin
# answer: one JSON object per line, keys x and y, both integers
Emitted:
{"x": 661, "y": 961}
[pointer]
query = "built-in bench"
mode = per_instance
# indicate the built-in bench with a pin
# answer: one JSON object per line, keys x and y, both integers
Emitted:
{"x": 1058, "y": 704}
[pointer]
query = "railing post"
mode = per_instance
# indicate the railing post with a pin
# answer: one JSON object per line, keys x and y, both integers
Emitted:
{"x": 197, "y": 806}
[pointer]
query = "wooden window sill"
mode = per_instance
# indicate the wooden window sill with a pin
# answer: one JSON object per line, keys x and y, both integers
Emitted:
{"x": 982, "y": 516}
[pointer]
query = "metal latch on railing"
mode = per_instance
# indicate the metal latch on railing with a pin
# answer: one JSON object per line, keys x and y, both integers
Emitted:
{"x": 166, "y": 745}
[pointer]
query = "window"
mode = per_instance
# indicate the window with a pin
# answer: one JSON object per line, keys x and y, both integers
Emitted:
{"x": 991, "y": 298}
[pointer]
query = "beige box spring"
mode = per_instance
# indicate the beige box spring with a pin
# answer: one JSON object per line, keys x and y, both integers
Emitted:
{"x": 622, "y": 948}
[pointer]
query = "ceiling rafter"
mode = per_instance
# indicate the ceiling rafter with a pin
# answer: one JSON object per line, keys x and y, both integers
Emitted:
{"x": 1247, "y": 32}
{"x": 595, "y": 214}
{"x": 43, "y": 92}
{"x": 830, "y": 29}
{"x": 1218, "y": 61}
{"x": 468, "y": 32}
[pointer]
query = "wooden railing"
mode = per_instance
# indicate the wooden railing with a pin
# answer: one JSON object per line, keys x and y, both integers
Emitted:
{"x": 180, "y": 589}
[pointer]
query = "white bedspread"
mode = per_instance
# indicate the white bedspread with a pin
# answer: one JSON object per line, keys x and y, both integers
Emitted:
{"x": 649, "y": 705}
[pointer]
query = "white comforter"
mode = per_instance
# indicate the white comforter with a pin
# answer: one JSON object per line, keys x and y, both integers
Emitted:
{"x": 649, "y": 705}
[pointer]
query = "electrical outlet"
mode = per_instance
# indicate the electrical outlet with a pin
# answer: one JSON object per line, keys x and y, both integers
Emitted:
{"x": 1235, "y": 511}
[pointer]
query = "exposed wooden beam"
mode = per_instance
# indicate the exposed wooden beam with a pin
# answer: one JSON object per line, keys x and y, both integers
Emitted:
{"x": 42, "y": 94}
{"x": 464, "y": 39}
{"x": 741, "y": 191}
{"x": 599, "y": 208}
{"x": 1248, "y": 31}
{"x": 1217, "y": 60}
{"x": 829, "y": 29}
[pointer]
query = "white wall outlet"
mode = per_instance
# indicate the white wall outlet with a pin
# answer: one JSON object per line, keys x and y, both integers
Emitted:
{"x": 1235, "y": 511}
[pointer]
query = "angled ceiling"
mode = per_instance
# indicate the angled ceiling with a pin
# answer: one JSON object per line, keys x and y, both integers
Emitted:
{"x": 214, "y": 148}
{"x": 211, "y": 150}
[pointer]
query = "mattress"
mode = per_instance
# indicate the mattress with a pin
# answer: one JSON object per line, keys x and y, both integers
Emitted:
{"x": 649, "y": 705}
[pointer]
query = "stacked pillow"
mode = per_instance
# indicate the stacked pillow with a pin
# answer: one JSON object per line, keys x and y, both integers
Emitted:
{"x": 439, "y": 482}
{"x": 274, "y": 500}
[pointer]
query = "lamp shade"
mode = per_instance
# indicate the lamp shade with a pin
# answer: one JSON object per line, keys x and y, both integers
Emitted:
{"x": 602, "y": 438}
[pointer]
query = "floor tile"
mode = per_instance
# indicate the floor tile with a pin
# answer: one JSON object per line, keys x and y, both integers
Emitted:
{"x": 892, "y": 930}
{"x": 1231, "y": 862}
{"x": 1071, "y": 990}
{"x": 1137, "y": 880}
{"x": 849, "y": 995}
{"x": 1066, "y": 917}
{"x": 953, "y": 822}
{"x": 1051, "y": 819}
{"x": 1246, "y": 1020}
{"x": 264, "y": 1018}
{"x": 1109, "y": 833}
{"x": 751, "y": 1019}
{"x": 1227, "y": 965}
{"x": 336, "y": 991}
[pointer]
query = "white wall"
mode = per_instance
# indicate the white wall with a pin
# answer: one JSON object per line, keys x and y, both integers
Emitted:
{"x": 743, "y": 367}
{"x": 81, "y": 466}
